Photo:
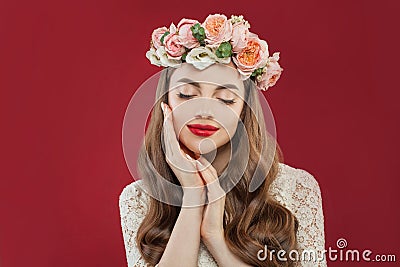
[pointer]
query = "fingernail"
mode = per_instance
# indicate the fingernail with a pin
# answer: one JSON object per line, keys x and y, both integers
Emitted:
{"x": 188, "y": 157}
{"x": 162, "y": 106}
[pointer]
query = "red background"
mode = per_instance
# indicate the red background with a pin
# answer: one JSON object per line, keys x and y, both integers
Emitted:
{"x": 69, "y": 68}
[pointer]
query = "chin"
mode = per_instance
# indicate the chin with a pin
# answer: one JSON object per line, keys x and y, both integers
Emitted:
{"x": 195, "y": 147}
{"x": 203, "y": 145}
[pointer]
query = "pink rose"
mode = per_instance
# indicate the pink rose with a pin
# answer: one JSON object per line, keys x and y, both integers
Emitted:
{"x": 240, "y": 34}
{"x": 252, "y": 57}
{"x": 273, "y": 73}
{"x": 185, "y": 33}
{"x": 218, "y": 29}
{"x": 156, "y": 37}
{"x": 173, "y": 46}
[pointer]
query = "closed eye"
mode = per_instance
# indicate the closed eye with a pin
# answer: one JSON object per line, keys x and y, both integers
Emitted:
{"x": 226, "y": 101}
{"x": 184, "y": 96}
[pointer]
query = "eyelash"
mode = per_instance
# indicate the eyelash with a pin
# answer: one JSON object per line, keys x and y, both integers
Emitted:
{"x": 228, "y": 102}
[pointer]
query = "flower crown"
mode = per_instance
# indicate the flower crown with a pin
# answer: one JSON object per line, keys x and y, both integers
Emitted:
{"x": 216, "y": 40}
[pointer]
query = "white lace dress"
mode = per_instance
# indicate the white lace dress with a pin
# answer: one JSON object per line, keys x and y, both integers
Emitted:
{"x": 294, "y": 188}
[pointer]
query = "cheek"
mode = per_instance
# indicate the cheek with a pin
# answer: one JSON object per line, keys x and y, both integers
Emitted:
{"x": 229, "y": 120}
{"x": 229, "y": 127}
{"x": 172, "y": 101}
{"x": 180, "y": 120}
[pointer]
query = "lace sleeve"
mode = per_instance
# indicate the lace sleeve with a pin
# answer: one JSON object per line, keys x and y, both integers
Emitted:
{"x": 132, "y": 211}
{"x": 307, "y": 207}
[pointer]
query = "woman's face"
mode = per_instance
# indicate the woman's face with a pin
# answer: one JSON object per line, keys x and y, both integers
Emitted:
{"x": 206, "y": 105}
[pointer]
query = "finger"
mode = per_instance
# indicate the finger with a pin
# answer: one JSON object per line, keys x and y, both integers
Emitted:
{"x": 210, "y": 178}
{"x": 167, "y": 143}
{"x": 169, "y": 128}
{"x": 177, "y": 157}
{"x": 206, "y": 173}
{"x": 194, "y": 165}
{"x": 170, "y": 140}
{"x": 209, "y": 175}
{"x": 174, "y": 154}
{"x": 168, "y": 123}
{"x": 207, "y": 165}
{"x": 191, "y": 160}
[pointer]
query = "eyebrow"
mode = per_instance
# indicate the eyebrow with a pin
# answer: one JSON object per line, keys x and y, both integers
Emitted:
{"x": 224, "y": 86}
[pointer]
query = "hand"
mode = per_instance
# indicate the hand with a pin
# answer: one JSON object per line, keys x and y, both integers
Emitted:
{"x": 181, "y": 164}
{"x": 213, "y": 214}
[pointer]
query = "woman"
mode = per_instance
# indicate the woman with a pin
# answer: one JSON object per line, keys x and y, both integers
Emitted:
{"x": 213, "y": 192}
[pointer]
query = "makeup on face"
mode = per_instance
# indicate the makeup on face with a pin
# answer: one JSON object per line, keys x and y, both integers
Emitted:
{"x": 202, "y": 129}
{"x": 206, "y": 105}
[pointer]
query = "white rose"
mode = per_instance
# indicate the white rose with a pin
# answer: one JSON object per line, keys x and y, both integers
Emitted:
{"x": 153, "y": 57}
{"x": 164, "y": 60}
{"x": 201, "y": 57}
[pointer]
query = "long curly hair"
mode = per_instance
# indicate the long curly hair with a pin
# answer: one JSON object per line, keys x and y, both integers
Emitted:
{"x": 252, "y": 220}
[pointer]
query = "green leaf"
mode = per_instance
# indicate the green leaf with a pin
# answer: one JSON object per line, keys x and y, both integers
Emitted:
{"x": 198, "y": 33}
{"x": 224, "y": 50}
{"x": 257, "y": 72}
{"x": 162, "y": 37}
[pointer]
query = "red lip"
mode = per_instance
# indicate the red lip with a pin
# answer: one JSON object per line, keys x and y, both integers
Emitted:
{"x": 202, "y": 129}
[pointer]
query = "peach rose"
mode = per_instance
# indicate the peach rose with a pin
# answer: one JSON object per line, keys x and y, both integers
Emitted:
{"x": 156, "y": 37}
{"x": 272, "y": 73}
{"x": 252, "y": 57}
{"x": 240, "y": 34}
{"x": 218, "y": 29}
{"x": 185, "y": 33}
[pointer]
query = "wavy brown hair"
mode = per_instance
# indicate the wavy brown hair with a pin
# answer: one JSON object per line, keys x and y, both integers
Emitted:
{"x": 252, "y": 219}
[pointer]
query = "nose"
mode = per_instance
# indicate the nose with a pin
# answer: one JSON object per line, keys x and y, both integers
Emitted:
{"x": 204, "y": 114}
{"x": 207, "y": 117}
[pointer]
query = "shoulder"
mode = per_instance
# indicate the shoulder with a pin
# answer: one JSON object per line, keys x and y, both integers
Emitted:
{"x": 293, "y": 177}
{"x": 133, "y": 198}
{"x": 295, "y": 186}
{"x": 133, "y": 189}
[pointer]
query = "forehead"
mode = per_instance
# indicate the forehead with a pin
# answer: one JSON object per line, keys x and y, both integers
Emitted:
{"x": 217, "y": 74}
